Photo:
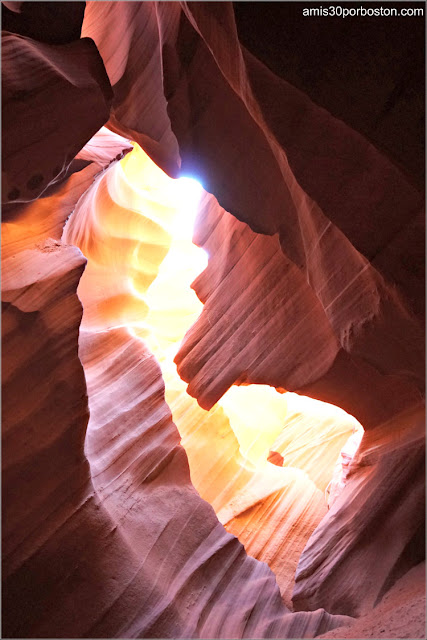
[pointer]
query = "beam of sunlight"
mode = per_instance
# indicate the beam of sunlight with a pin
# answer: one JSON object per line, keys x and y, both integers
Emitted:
{"x": 135, "y": 227}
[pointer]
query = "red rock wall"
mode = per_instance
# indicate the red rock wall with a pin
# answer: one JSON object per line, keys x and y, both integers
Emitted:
{"x": 331, "y": 306}
{"x": 104, "y": 534}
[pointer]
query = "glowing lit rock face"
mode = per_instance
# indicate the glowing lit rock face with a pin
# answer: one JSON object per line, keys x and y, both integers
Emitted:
{"x": 135, "y": 227}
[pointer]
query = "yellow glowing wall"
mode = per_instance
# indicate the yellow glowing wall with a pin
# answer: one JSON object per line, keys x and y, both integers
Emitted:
{"x": 135, "y": 227}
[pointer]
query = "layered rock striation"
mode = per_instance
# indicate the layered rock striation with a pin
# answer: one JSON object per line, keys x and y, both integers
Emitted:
{"x": 314, "y": 285}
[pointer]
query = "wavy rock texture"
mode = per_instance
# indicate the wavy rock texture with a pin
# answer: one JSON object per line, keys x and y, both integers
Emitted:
{"x": 231, "y": 342}
{"x": 227, "y": 448}
{"x": 272, "y": 511}
{"x": 53, "y": 530}
{"x": 356, "y": 187}
{"x": 248, "y": 278}
{"x": 331, "y": 307}
{"x": 114, "y": 519}
{"x": 143, "y": 535}
{"x": 198, "y": 579}
{"x": 64, "y": 88}
{"x": 390, "y": 468}
{"x": 372, "y": 371}
{"x": 333, "y": 66}
{"x": 130, "y": 37}
{"x": 401, "y": 614}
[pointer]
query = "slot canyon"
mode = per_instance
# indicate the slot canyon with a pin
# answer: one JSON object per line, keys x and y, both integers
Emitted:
{"x": 213, "y": 312}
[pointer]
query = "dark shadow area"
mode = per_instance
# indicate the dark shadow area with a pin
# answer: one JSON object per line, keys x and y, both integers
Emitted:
{"x": 367, "y": 71}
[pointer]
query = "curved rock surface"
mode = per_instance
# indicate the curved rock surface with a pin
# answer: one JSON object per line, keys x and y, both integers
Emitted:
{"x": 374, "y": 531}
{"x": 231, "y": 342}
{"x": 131, "y": 37}
{"x": 64, "y": 88}
{"x": 124, "y": 225}
{"x": 198, "y": 579}
{"x": 112, "y": 504}
{"x": 92, "y": 537}
{"x": 400, "y": 615}
{"x": 104, "y": 533}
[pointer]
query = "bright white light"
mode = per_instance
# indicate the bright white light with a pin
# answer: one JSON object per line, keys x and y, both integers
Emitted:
{"x": 191, "y": 185}
{"x": 187, "y": 197}
{"x": 136, "y": 229}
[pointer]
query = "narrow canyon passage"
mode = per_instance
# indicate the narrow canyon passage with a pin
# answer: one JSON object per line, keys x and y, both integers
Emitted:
{"x": 213, "y": 321}
{"x": 264, "y": 460}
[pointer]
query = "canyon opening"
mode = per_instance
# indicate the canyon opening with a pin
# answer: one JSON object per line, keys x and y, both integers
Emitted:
{"x": 213, "y": 325}
{"x": 265, "y": 460}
